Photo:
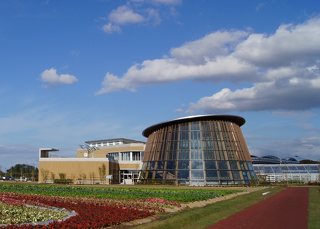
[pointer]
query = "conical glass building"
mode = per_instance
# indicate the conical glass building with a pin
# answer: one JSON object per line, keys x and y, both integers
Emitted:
{"x": 197, "y": 150}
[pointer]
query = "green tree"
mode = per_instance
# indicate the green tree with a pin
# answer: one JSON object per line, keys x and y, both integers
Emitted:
{"x": 23, "y": 171}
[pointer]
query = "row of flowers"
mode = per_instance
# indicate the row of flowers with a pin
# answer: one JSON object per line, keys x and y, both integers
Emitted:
{"x": 20, "y": 214}
{"x": 91, "y": 212}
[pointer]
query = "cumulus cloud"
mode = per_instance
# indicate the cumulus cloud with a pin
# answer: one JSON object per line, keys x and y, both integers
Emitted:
{"x": 282, "y": 67}
{"x": 51, "y": 77}
{"x": 124, "y": 15}
{"x": 204, "y": 59}
{"x": 137, "y": 12}
{"x": 290, "y": 44}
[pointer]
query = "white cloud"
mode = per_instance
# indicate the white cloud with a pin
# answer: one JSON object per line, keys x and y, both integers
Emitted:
{"x": 283, "y": 69}
{"x": 124, "y": 15}
{"x": 110, "y": 28}
{"x": 285, "y": 94}
{"x": 289, "y": 44}
{"x": 51, "y": 77}
{"x": 213, "y": 45}
{"x": 138, "y": 12}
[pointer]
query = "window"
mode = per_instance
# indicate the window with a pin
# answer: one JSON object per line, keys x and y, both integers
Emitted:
{"x": 113, "y": 156}
{"x": 196, "y": 164}
{"x": 197, "y": 174}
{"x": 125, "y": 156}
{"x": 136, "y": 156}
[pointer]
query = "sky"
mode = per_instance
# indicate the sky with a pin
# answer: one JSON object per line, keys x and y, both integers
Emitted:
{"x": 72, "y": 71}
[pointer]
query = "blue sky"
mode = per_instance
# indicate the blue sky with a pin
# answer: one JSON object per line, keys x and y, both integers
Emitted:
{"x": 73, "y": 71}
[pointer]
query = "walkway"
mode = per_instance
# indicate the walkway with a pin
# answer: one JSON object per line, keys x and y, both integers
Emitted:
{"x": 287, "y": 209}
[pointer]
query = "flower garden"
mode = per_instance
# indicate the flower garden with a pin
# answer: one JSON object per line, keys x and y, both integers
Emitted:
{"x": 54, "y": 206}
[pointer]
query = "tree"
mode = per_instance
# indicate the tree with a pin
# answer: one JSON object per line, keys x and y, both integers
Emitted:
{"x": 44, "y": 174}
{"x": 102, "y": 172}
{"x": 23, "y": 171}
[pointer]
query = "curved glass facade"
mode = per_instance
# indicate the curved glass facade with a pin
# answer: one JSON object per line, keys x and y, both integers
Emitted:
{"x": 197, "y": 152}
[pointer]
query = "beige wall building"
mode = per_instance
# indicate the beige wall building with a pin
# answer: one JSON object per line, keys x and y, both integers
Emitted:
{"x": 109, "y": 161}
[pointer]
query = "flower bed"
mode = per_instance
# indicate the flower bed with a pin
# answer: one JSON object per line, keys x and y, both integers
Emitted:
{"x": 90, "y": 214}
{"x": 179, "y": 195}
{"x": 20, "y": 214}
{"x": 97, "y": 207}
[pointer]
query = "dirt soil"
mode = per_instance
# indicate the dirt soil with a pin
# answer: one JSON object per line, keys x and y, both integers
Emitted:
{"x": 287, "y": 209}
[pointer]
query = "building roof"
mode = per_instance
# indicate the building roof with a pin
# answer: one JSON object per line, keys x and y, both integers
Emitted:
{"x": 231, "y": 118}
{"x": 123, "y": 140}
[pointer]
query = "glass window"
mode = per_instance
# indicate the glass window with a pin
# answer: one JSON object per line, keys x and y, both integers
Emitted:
{"x": 183, "y": 174}
{"x": 222, "y": 165}
{"x": 224, "y": 175}
{"x": 211, "y": 174}
{"x": 233, "y": 165}
{"x": 113, "y": 156}
{"x": 197, "y": 174}
{"x": 171, "y": 165}
{"x": 196, "y": 154}
{"x": 236, "y": 175}
{"x": 125, "y": 156}
{"x": 196, "y": 164}
{"x": 152, "y": 163}
{"x": 136, "y": 156}
{"x": 195, "y": 126}
{"x": 159, "y": 175}
{"x": 160, "y": 165}
{"x": 183, "y": 164}
{"x": 184, "y": 154}
{"x": 208, "y": 155}
{"x": 210, "y": 164}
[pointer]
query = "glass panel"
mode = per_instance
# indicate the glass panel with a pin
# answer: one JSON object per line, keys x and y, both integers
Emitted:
{"x": 224, "y": 175}
{"x": 183, "y": 174}
{"x": 210, "y": 164}
{"x": 222, "y": 165}
{"x": 236, "y": 175}
{"x": 152, "y": 164}
{"x": 184, "y": 154}
{"x": 125, "y": 156}
{"x": 233, "y": 165}
{"x": 159, "y": 175}
{"x": 160, "y": 165}
{"x": 196, "y": 164}
{"x": 197, "y": 174}
{"x": 211, "y": 174}
{"x": 208, "y": 155}
{"x": 171, "y": 165}
{"x": 136, "y": 156}
{"x": 183, "y": 164}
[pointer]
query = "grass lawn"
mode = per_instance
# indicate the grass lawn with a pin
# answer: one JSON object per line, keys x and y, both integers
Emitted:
{"x": 314, "y": 208}
{"x": 205, "y": 216}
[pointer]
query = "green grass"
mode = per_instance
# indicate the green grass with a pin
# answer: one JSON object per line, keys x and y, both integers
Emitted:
{"x": 205, "y": 216}
{"x": 132, "y": 192}
{"x": 314, "y": 208}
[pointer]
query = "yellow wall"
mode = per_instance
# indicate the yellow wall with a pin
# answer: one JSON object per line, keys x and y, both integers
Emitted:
{"x": 75, "y": 170}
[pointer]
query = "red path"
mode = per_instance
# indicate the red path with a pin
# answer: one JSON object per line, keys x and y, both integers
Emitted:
{"x": 287, "y": 209}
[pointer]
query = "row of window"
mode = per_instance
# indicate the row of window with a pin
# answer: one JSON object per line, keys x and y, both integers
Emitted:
{"x": 125, "y": 156}
{"x": 198, "y": 164}
{"x": 199, "y": 175}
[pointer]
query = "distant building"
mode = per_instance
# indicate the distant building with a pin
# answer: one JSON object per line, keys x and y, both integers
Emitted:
{"x": 300, "y": 173}
{"x": 120, "y": 158}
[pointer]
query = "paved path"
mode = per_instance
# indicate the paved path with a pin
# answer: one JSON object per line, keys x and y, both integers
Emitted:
{"x": 287, "y": 209}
